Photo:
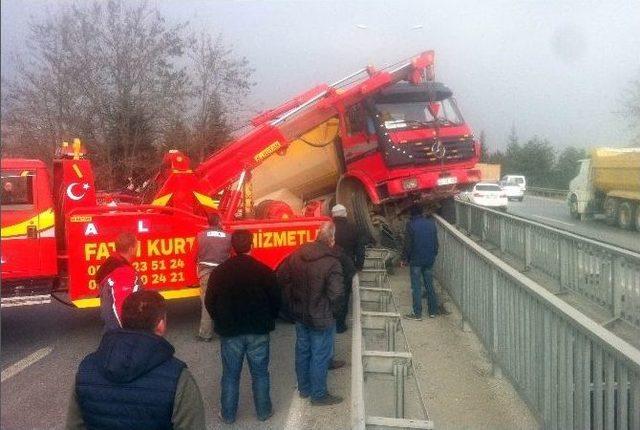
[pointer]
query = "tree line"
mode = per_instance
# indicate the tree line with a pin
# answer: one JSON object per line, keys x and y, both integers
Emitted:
{"x": 536, "y": 159}
{"x": 130, "y": 85}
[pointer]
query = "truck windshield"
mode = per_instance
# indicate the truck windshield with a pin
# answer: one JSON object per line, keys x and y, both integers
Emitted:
{"x": 415, "y": 114}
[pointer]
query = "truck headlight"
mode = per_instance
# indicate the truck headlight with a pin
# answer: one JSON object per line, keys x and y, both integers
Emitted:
{"x": 410, "y": 184}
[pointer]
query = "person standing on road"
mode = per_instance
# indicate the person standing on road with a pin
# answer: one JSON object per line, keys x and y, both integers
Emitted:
{"x": 213, "y": 249}
{"x": 133, "y": 381}
{"x": 243, "y": 299}
{"x": 352, "y": 244}
{"x": 313, "y": 288}
{"x": 117, "y": 278}
{"x": 421, "y": 249}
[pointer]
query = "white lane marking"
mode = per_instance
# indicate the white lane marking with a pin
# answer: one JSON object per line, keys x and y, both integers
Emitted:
{"x": 553, "y": 220}
{"x": 294, "y": 418}
{"x": 18, "y": 367}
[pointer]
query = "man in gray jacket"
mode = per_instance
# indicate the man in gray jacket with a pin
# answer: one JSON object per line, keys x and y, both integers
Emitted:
{"x": 214, "y": 245}
{"x": 312, "y": 282}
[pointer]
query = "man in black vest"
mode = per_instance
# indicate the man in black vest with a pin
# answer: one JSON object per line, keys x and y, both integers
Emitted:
{"x": 133, "y": 381}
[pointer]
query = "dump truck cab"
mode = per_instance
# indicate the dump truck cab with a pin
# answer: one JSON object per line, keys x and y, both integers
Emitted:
{"x": 401, "y": 139}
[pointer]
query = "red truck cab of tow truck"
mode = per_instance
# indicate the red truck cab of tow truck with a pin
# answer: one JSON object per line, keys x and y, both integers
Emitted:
{"x": 28, "y": 227}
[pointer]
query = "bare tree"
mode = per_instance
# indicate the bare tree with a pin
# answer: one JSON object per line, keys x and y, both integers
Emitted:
{"x": 116, "y": 75}
{"x": 220, "y": 82}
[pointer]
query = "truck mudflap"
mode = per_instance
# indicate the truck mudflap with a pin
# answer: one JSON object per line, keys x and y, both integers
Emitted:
{"x": 167, "y": 248}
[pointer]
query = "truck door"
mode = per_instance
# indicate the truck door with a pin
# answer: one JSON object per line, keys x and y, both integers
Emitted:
{"x": 27, "y": 226}
{"x": 19, "y": 225}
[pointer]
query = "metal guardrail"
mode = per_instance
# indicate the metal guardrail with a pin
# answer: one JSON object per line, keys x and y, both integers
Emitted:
{"x": 547, "y": 192}
{"x": 572, "y": 372}
{"x": 381, "y": 376}
{"x": 606, "y": 275}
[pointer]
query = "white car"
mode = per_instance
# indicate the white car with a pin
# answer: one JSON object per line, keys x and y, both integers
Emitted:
{"x": 512, "y": 190}
{"x": 486, "y": 194}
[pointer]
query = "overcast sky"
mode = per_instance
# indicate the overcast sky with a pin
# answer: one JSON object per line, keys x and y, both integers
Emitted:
{"x": 553, "y": 68}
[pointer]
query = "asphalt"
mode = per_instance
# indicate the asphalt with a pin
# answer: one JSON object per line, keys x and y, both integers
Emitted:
{"x": 37, "y": 396}
{"x": 556, "y": 214}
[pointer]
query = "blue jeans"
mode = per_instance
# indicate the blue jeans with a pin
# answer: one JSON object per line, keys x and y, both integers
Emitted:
{"x": 232, "y": 351}
{"x": 421, "y": 275}
{"x": 314, "y": 349}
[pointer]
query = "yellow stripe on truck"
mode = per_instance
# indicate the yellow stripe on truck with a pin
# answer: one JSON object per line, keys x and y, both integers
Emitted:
{"x": 162, "y": 201}
{"x": 169, "y": 295}
{"x": 42, "y": 221}
{"x": 206, "y": 200}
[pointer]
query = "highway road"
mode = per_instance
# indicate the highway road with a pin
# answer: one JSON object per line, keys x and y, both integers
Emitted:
{"x": 43, "y": 345}
{"x": 556, "y": 214}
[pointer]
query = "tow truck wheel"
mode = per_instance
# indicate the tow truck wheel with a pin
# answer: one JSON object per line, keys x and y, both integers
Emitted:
{"x": 611, "y": 210}
{"x": 573, "y": 207}
{"x": 625, "y": 215}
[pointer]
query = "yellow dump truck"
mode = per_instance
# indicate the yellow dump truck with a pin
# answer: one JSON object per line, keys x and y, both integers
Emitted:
{"x": 608, "y": 183}
{"x": 489, "y": 172}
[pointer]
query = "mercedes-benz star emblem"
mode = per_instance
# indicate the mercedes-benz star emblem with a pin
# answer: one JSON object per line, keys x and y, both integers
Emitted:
{"x": 438, "y": 149}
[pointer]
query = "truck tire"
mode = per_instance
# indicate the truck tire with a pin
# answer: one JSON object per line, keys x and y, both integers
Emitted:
{"x": 573, "y": 207}
{"x": 611, "y": 210}
{"x": 625, "y": 215}
{"x": 353, "y": 196}
{"x": 372, "y": 226}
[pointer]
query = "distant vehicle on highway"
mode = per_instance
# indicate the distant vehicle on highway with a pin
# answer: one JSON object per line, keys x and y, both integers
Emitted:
{"x": 519, "y": 180}
{"x": 513, "y": 189}
{"x": 609, "y": 183}
{"x": 486, "y": 194}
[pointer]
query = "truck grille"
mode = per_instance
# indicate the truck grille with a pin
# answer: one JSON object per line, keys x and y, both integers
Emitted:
{"x": 455, "y": 150}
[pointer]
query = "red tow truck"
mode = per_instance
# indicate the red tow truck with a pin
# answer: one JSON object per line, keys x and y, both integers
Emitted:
{"x": 388, "y": 137}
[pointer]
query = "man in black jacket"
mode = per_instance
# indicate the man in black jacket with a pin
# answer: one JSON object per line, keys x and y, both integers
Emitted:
{"x": 313, "y": 288}
{"x": 133, "y": 381}
{"x": 243, "y": 300}
{"x": 352, "y": 244}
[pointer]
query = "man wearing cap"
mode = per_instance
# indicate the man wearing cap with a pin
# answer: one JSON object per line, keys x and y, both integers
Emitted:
{"x": 351, "y": 244}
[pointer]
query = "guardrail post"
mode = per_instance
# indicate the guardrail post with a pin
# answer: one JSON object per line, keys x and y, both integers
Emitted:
{"x": 390, "y": 330}
{"x": 503, "y": 236}
{"x": 483, "y": 234}
{"x": 457, "y": 206}
{"x": 616, "y": 286}
{"x": 399, "y": 373}
{"x": 496, "y": 370}
{"x": 469, "y": 224}
{"x": 527, "y": 248}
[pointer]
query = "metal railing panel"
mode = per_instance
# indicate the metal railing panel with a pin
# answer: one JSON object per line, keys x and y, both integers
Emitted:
{"x": 604, "y": 274}
{"x": 571, "y": 371}
{"x": 387, "y": 372}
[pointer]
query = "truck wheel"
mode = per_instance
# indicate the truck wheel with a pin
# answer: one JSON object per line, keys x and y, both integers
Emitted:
{"x": 354, "y": 197}
{"x": 625, "y": 215}
{"x": 611, "y": 210}
{"x": 573, "y": 207}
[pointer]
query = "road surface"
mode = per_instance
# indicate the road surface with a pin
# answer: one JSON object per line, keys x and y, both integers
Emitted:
{"x": 556, "y": 214}
{"x": 43, "y": 345}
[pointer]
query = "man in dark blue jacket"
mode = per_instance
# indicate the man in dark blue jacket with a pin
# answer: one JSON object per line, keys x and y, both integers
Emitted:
{"x": 421, "y": 249}
{"x": 133, "y": 381}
